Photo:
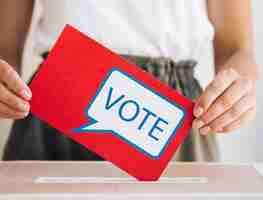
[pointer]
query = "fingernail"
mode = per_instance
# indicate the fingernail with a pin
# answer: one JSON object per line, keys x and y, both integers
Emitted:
{"x": 205, "y": 130}
{"x": 26, "y": 93}
{"x": 198, "y": 111}
{"x": 219, "y": 130}
{"x": 24, "y": 106}
{"x": 26, "y": 114}
{"x": 198, "y": 123}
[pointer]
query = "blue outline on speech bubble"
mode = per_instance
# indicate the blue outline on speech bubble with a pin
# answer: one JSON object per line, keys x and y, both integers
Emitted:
{"x": 93, "y": 121}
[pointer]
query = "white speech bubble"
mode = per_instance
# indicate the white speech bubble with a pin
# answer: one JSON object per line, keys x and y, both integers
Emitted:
{"x": 132, "y": 111}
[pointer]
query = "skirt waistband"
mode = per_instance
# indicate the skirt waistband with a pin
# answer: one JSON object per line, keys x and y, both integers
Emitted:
{"x": 161, "y": 61}
{"x": 178, "y": 75}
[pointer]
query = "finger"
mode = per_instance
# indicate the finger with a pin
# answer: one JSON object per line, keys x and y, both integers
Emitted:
{"x": 13, "y": 101}
{"x": 243, "y": 105}
{"x": 232, "y": 95}
{"x": 9, "y": 113}
{"x": 11, "y": 78}
{"x": 221, "y": 82}
{"x": 243, "y": 119}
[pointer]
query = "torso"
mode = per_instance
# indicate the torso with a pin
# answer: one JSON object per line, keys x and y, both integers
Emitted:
{"x": 172, "y": 28}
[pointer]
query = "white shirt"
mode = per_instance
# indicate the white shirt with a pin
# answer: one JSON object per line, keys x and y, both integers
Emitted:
{"x": 178, "y": 29}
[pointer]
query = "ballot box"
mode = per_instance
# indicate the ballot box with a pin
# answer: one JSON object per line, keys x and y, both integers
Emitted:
{"x": 102, "y": 180}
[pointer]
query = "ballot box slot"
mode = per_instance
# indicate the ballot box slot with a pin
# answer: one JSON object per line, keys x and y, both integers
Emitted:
{"x": 70, "y": 180}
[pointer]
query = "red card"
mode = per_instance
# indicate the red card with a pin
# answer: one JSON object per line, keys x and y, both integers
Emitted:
{"x": 110, "y": 106}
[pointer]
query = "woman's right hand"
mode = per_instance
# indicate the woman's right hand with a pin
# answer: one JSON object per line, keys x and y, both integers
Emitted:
{"x": 14, "y": 93}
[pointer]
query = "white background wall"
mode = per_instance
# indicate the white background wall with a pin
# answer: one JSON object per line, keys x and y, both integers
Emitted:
{"x": 245, "y": 145}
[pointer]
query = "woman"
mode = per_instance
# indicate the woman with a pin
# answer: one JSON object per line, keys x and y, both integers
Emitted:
{"x": 165, "y": 38}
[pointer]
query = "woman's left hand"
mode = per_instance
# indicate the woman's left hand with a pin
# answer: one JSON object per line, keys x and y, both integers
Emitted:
{"x": 227, "y": 103}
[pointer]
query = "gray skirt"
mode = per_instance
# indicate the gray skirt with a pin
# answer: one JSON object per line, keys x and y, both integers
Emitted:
{"x": 32, "y": 139}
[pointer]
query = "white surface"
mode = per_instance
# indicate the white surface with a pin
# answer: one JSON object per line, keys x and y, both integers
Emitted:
{"x": 105, "y": 181}
{"x": 147, "y": 196}
{"x": 259, "y": 168}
